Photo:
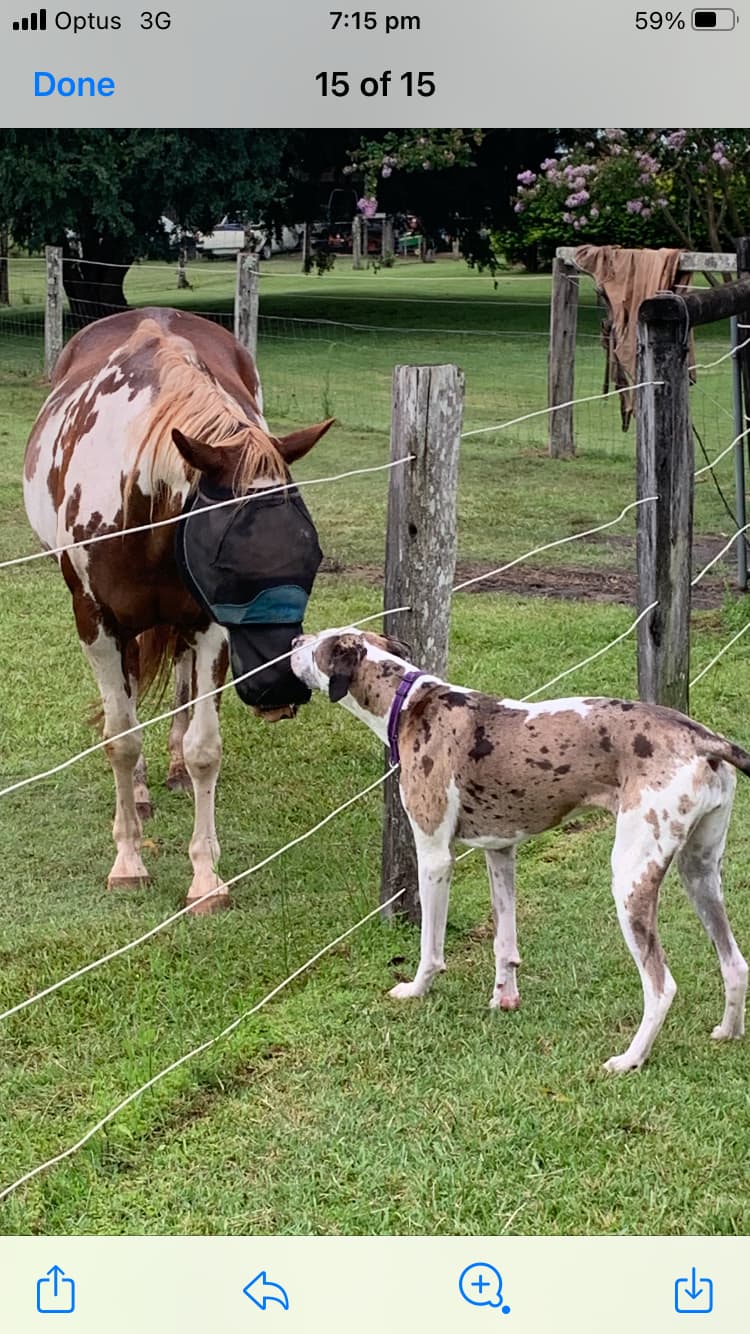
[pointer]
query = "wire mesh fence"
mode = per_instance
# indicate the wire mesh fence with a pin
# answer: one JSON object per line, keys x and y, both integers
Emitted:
{"x": 327, "y": 345}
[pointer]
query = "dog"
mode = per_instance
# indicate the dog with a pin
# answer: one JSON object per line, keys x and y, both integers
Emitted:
{"x": 492, "y": 773}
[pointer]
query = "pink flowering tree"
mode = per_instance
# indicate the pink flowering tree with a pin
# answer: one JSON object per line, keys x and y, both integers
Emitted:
{"x": 411, "y": 151}
{"x": 637, "y": 187}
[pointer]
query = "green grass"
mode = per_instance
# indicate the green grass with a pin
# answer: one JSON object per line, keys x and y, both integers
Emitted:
{"x": 335, "y": 1110}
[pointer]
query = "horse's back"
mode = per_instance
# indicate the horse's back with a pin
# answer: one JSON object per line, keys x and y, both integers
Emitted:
{"x": 107, "y": 386}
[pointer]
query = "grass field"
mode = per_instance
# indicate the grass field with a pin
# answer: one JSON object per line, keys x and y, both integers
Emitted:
{"x": 335, "y": 1110}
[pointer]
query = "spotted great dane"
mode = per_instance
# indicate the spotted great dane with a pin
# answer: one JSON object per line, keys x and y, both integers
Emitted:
{"x": 491, "y": 773}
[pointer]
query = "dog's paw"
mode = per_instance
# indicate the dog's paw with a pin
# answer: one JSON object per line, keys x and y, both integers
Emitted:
{"x": 405, "y": 991}
{"x": 620, "y": 1065}
{"x": 500, "y": 1002}
{"x": 728, "y": 1034}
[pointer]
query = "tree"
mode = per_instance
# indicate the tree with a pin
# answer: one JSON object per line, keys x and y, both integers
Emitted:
{"x": 637, "y": 187}
{"x": 102, "y": 195}
{"x": 462, "y": 180}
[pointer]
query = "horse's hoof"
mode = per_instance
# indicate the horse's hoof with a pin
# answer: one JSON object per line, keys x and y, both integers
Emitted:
{"x": 145, "y": 810}
{"x": 210, "y": 902}
{"x": 128, "y": 881}
{"x": 179, "y": 780}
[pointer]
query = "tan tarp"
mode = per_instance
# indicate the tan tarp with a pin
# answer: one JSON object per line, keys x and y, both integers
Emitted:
{"x": 626, "y": 278}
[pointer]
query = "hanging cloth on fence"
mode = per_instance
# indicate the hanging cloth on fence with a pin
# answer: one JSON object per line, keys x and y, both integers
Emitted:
{"x": 625, "y": 278}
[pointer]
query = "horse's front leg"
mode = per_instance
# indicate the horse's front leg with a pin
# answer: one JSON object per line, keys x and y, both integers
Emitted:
{"x": 201, "y": 748}
{"x": 178, "y": 777}
{"x": 108, "y": 657}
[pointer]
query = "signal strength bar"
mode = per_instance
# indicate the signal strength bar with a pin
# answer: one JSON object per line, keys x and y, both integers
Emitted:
{"x": 35, "y": 22}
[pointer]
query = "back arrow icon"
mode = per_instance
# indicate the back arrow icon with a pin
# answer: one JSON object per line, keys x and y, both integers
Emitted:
{"x": 261, "y": 1292}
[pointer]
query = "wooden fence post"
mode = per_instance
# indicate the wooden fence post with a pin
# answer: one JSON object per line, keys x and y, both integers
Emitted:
{"x": 743, "y": 356}
{"x": 562, "y": 358}
{"x": 53, "y": 311}
{"x": 182, "y": 278}
{"x": 386, "y": 242}
{"x": 4, "y": 281}
{"x": 665, "y": 464}
{"x": 420, "y": 563}
{"x": 305, "y": 246}
{"x": 246, "y": 302}
{"x": 357, "y": 242}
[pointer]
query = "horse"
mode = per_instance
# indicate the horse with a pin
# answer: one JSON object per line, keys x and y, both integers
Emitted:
{"x": 152, "y": 414}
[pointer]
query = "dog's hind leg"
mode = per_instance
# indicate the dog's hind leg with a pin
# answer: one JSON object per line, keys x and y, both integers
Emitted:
{"x": 641, "y": 855}
{"x": 435, "y": 870}
{"x": 699, "y": 865}
{"x": 501, "y": 868}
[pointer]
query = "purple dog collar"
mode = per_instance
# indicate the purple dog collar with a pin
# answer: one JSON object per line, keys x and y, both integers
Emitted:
{"x": 395, "y": 713}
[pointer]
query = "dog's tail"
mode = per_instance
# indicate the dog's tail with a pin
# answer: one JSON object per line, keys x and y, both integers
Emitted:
{"x": 715, "y": 747}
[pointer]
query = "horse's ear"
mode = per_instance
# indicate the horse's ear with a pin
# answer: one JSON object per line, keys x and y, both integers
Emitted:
{"x": 295, "y": 446}
{"x": 195, "y": 452}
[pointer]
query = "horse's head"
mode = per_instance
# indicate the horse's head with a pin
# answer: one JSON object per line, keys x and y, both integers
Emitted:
{"x": 252, "y": 563}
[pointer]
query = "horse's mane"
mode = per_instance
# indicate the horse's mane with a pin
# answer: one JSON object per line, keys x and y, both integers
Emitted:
{"x": 188, "y": 396}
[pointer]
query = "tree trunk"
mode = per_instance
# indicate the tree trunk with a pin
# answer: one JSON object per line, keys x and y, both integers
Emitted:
{"x": 4, "y": 283}
{"x": 94, "y": 287}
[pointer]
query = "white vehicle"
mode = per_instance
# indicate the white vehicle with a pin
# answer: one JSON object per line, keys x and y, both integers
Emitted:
{"x": 232, "y": 235}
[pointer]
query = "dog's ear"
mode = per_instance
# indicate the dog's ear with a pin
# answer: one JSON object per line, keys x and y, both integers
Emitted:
{"x": 338, "y": 686}
{"x": 397, "y": 647}
{"x": 389, "y": 644}
{"x": 344, "y": 657}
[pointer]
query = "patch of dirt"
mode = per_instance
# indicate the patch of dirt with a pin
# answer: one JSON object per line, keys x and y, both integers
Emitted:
{"x": 576, "y": 583}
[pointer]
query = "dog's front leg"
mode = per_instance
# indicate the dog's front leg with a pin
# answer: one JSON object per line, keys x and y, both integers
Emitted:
{"x": 435, "y": 870}
{"x": 501, "y": 868}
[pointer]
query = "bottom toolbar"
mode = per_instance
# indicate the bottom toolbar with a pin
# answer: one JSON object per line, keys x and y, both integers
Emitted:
{"x": 332, "y": 1284}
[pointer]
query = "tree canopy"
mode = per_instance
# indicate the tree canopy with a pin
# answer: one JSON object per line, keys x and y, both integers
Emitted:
{"x": 102, "y": 194}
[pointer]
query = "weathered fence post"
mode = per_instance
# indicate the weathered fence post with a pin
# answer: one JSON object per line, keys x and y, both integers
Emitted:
{"x": 386, "y": 240}
{"x": 737, "y": 337}
{"x": 357, "y": 242}
{"x": 4, "y": 281}
{"x": 53, "y": 311}
{"x": 562, "y": 358}
{"x": 420, "y": 563}
{"x": 246, "y": 302}
{"x": 743, "y": 356}
{"x": 665, "y": 464}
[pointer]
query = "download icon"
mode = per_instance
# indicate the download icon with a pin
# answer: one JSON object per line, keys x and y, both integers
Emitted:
{"x": 693, "y": 1296}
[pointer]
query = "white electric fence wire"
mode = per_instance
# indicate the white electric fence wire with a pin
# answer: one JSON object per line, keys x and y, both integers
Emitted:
{"x": 709, "y": 365}
{"x": 170, "y": 713}
{"x": 391, "y": 611}
{"x": 709, "y": 466}
{"x": 22, "y": 1005}
{"x": 571, "y": 403}
{"x": 727, "y": 546}
{"x": 720, "y": 654}
{"x": 593, "y": 657}
{"x": 559, "y": 542}
{"x": 259, "y": 493}
{"x": 190, "y": 907}
{"x": 197, "y": 1051}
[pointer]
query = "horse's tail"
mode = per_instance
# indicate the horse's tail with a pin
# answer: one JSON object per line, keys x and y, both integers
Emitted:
{"x": 149, "y": 659}
{"x": 157, "y": 650}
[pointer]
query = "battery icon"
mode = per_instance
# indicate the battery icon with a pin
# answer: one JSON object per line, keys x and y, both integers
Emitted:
{"x": 714, "y": 20}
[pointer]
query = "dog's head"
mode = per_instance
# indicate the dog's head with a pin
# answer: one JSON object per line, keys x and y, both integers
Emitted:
{"x": 336, "y": 660}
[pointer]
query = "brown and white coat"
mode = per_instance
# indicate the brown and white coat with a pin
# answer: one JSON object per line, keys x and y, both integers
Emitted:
{"x": 491, "y": 773}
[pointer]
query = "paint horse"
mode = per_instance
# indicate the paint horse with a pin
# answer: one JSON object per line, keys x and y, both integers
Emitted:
{"x": 150, "y": 409}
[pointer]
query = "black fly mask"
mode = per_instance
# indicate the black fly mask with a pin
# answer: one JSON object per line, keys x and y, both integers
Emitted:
{"x": 252, "y": 565}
